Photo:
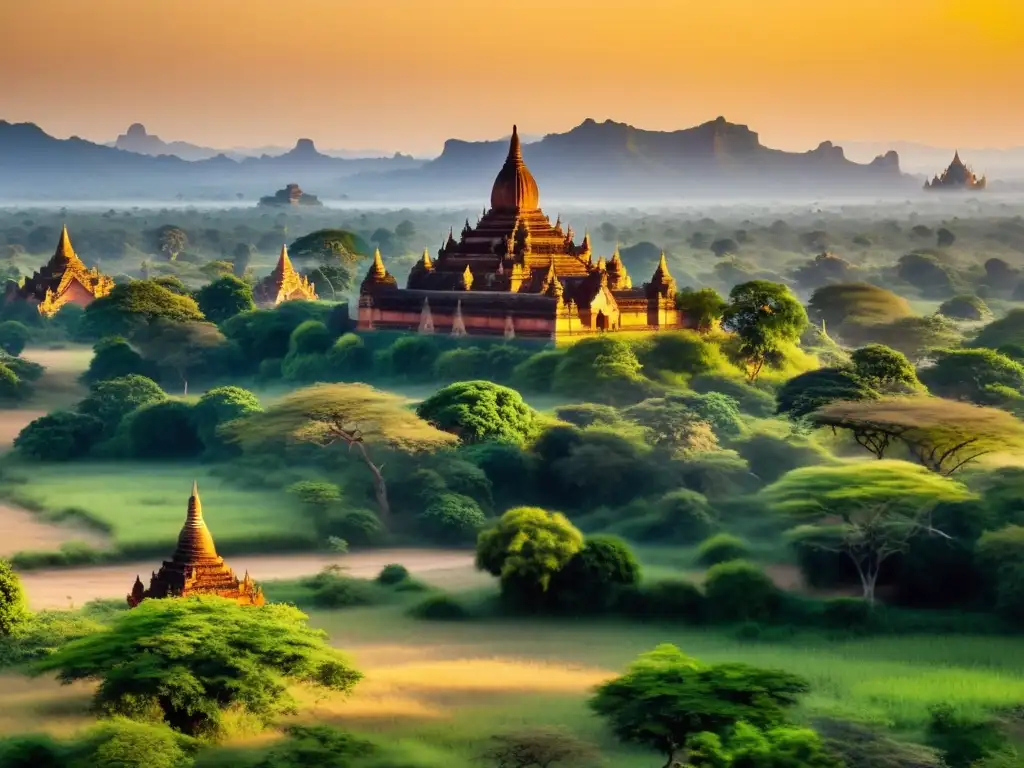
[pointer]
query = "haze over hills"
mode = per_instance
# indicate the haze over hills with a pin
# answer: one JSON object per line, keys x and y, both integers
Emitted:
{"x": 608, "y": 161}
{"x": 999, "y": 163}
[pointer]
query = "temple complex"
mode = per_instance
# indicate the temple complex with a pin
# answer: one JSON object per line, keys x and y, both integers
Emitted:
{"x": 64, "y": 279}
{"x": 196, "y": 568}
{"x": 956, "y": 176}
{"x": 283, "y": 284}
{"x": 514, "y": 273}
{"x": 290, "y": 195}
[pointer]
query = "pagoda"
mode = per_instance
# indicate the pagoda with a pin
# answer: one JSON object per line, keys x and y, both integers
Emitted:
{"x": 196, "y": 568}
{"x": 956, "y": 176}
{"x": 283, "y": 284}
{"x": 514, "y": 273}
{"x": 64, "y": 279}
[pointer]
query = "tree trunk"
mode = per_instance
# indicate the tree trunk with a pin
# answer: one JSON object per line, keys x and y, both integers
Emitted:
{"x": 185, "y": 394}
{"x": 380, "y": 488}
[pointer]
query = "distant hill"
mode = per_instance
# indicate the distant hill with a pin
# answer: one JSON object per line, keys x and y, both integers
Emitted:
{"x": 606, "y": 161}
{"x": 928, "y": 160}
{"x": 136, "y": 139}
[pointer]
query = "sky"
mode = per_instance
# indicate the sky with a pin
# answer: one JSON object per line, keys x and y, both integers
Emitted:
{"x": 408, "y": 74}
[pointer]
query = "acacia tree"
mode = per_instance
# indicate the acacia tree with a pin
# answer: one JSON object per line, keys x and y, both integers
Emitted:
{"x": 355, "y": 415}
{"x": 763, "y": 315}
{"x": 944, "y": 435}
{"x": 868, "y": 512}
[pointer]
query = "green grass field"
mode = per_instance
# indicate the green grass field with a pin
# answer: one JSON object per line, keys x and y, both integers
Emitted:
{"x": 142, "y": 506}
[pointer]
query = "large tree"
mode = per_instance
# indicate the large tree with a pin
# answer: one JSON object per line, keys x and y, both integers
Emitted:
{"x": 475, "y": 411}
{"x": 944, "y": 435}
{"x": 113, "y": 399}
{"x": 337, "y": 251}
{"x": 866, "y": 511}
{"x": 225, "y": 298}
{"x": 701, "y": 307}
{"x": 764, "y": 316}
{"x": 354, "y": 415}
{"x": 180, "y": 347}
{"x": 809, "y": 391}
{"x": 170, "y": 241}
{"x": 665, "y": 698}
{"x": 980, "y": 376}
{"x": 189, "y": 661}
{"x": 130, "y": 306}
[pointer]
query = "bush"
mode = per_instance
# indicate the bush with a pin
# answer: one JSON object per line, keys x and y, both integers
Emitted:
{"x": 331, "y": 588}
{"x": 111, "y": 400}
{"x": 13, "y": 606}
{"x": 218, "y": 406}
{"x": 537, "y": 373}
{"x": 349, "y": 358}
{"x": 439, "y": 608}
{"x": 59, "y": 436}
{"x": 13, "y": 337}
{"x": 750, "y": 400}
{"x": 963, "y": 740}
{"x": 478, "y": 411}
{"x": 310, "y": 338}
{"x": 316, "y": 746}
{"x": 740, "y": 591}
{"x": 33, "y": 751}
{"x": 1001, "y": 558}
{"x": 682, "y": 516}
{"x": 721, "y": 548}
{"x": 163, "y": 430}
{"x": 585, "y": 415}
{"x": 769, "y": 457}
{"x": 593, "y": 578}
{"x": 965, "y": 308}
{"x": 846, "y": 613}
{"x": 412, "y": 357}
{"x": 664, "y": 599}
{"x": 392, "y": 574}
{"x": 123, "y": 743}
{"x": 114, "y": 358}
{"x": 452, "y": 519}
{"x": 358, "y": 526}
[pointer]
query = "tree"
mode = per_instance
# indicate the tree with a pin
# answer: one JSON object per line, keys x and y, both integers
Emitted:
{"x": 123, "y": 743}
{"x": 763, "y": 315}
{"x": 219, "y": 406}
{"x": 173, "y": 284}
{"x": 825, "y": 269}
{"x": 806, "y": 393}
{"x": 540, "y": 747}
{"x": 672, "y": 425}
{"x": 405, "y": 229}
{"x": 476, "y": 411}
{"x": 59, "y": 436}
{"x": 944, "y": 435}
{"x": 979, "y": 376}
{"x": 130, "y": 306}
{"x": 702, "y": 307}
{"x": 112, "y": 400}
{"x": 178, "y": 346}
{"x": 188, "y": 661}
{"x": 867, "y": 512}
{"x": 355, "y": 415}
{"x": 944, "y": 237}
{"x": 163, "y": 430}
{"x": 595, "y": 575}
{"x": 225, "y": 298}
{"x": 915, "y": 337}
{"x": 13, "y": 605}
{"x": 965, "y": 307}
{"x": 13, "y": 337}
{"x": 666, "y": 697}
{"x": 333, "y": 248}
{"x": 525, "y": 549}
{"x": 926, "y": 273}
{"x": 452, "y": 518}
{"x": 1008, "y": 329}
{"x": 882, "y": 367}
{"x": 113, "y": 358}
{"x": 846, "y": 308}
{"x": 605, "y": 367}
{"x": 241, "y": 258}
{"x": 170, "y": 241}
{"x": 724, "y": 247}
{"x": 310, "y": 338}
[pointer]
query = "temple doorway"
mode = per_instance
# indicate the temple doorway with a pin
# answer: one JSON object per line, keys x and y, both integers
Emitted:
{"x": 602, "y": 321}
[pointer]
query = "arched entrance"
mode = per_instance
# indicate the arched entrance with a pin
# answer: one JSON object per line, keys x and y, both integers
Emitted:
{"x": 602, "y": 321}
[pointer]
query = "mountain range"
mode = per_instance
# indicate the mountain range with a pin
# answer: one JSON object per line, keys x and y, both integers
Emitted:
{"x": 606, "y": 161}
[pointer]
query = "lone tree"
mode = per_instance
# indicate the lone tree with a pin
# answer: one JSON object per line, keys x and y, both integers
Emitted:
{"x": 476, "y": 411}
{"x": 764, "y": 316}
{"x": 354, "y": 415}
{"x": 188, "y": 661}
{"x": 868, "y": 512}
{"x": 944, "y": 435}
{"x": 665, "y": 698}
{"x": 170, "y": 240}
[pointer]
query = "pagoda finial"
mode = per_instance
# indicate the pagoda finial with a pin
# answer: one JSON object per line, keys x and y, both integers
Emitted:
{"x": 195, "y": 508}
{"x": 195, "y": 544}
{"x": 426, "y": 262}
{"x": 515, "y": 149}
{"x": 378, "y": 264}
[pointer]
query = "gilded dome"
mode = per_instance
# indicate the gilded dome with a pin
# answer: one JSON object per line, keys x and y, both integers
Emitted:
{"x": 515, "y": 187}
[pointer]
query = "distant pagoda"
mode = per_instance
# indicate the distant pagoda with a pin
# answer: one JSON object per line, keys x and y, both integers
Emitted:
{"x": 290, "y": 195}
{"x": 64, "y": 279}
{"x": 283, "y": 284}
{"x": 956, "y": 176}
{"x": 196, "y": 568}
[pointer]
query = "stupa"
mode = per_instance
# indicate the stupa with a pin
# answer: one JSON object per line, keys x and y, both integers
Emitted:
{"x": 64, "y": 279}
{"x": 518, "y": 275}
{"x": 956, "y": 176}
{"x": 283, "y": 284}
{"x": 195, "y": 568}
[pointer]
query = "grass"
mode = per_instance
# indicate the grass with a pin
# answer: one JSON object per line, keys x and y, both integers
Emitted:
{"x": 142, "y": 506}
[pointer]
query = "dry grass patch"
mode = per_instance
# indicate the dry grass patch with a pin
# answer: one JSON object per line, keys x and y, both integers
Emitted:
{"x": 495, "y": 675}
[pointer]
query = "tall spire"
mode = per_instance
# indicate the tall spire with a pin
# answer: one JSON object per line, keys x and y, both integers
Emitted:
{"x": 377, "y": 269}
{"x": 195, "y": 544}
{"x": 65, "y": 255}
{"x": 284, "y": 264}
{"x": 515, "y": 148}
{"x": 425, "y": 261}
{"x": 514, "y": 188}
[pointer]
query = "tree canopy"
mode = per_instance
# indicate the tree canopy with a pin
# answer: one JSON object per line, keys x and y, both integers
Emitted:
{"x": 225, "y": 298}
{"x": 476, "y": 411}
{"x": 130, "y": 306}
{"x": 113, "y": 399}
{"x": 1008, "y": 329}
{"x": 13, "y": 605}
{"x": 701, "y": 306}
{"x": 844, "y": 307}
{"x": 763, "y": 315}
{"x": 980, "y": 376}
{"x": 806, "y": 393}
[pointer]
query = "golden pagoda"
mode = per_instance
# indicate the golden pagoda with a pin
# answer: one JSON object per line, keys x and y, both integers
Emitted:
{"x": 956, "y": 176}
{"x": 516, "y": 274}
{"x": 196, "y": 568}
{"x": 64, "y": 279}
{"x": 283, "y": 284}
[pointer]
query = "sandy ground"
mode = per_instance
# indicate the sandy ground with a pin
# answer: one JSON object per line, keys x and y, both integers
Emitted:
{"x": 22, "y": 531}
{"x": 72, "y": 587}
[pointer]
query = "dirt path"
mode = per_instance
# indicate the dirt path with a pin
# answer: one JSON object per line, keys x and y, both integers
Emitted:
{"x": 72, "y": 587}
{"x": 22, "y": 531}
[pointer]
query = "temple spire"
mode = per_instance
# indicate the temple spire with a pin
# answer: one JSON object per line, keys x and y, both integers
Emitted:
{"x": 284, "y": 264}
{"x": 515, "y": 148}
{"x": 195, "y": 544}
{"x": 426, "y": 262}
{"x": 377, "y": 269}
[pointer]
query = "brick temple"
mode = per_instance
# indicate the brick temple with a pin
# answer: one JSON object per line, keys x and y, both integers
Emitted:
{"x": 957, "y": 176}
{"x": 283, "y": 284}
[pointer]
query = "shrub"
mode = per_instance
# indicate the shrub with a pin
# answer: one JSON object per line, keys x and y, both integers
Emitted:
{"x": 111, "y": 400}
{"x": 682, "y": 516}
{"x": 310, "y": 338}
{"x": 331, "y": 588}
{"x": 962, "y": 739}
{"x": 33, "y": 751}
{"x": 585, "y": 415}
{"x": 114, "y": 358}
{"x": 412, "y": 357}
{"x": 358, "y": 526}
{"x": 537, "y": 373}
{"x": 13, "y": 606}
{"x": 392, "y": 574}
{"x": 477, "y": 411}
{"x": 452, "y": 519}
{"x": 848, "y": 613}
{"x": 721, "y": 548}
{"x": 218, "y": 406}
{"x": 124, "y": 743}
{"x": 1001, "y": 557}
{"x": 439, "y": 608}
{"x": 750, "y": 400}
{"x": 13, "y": 337}
{"x": 59, "y": 436}
{"x": 594, "y": 576}
{"x": 349, "y": 358}
{"x": 719, "y": 410}
{"x": 468, "y": 480}
{"x": 740, "y": 591}
{"x": 664, "y": 599}
{"x": 769, "y": 457}
{"x": 965, "y": 307}
{"x": 163, "y": 430}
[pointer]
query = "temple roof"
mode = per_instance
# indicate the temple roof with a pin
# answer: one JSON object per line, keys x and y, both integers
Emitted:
{"x": 283, "y": 283}
{"x": 515, "y": 188}
{"x": 65, "y": 255}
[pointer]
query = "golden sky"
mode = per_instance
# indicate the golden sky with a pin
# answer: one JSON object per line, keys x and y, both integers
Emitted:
{"x": 406, "y": 74}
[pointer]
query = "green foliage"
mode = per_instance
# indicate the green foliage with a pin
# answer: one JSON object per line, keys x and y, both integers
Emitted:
{"x": 1001, "y": 557}
{"x": 721, "y": 548}
{"x": 111, "y": 400}
{"x": 928, "y": 274}
{"x": 604, "y": 367}
{"x": 665, "y": 599}
{"x": 217, "y": 407}
{"x": 359, "y": 526}
{"x": 392, "y": 574}
{"x": 537, "y": 372}
{"x": 806, "y": 393}
{"x": 881, "y": 367}
{"x": 315, "y": 746}
{"x": 163, "y": 430}
{"x": 1008, "y": 329}
{"x": 331, "y": 588}
{"x": 665, "y": 698}
{"x": 349, "y": 358}
{"x": 740, "y": 591}
{"x": 13, "y": 337}
{"x": 847, "y": 308}
{"x": 187, "y": 661}
{"x": 719, "y": 410}
{"x": 33, "y": 751}
{"x": 335, "y": 248}
{"x": 703, "y": 307}
{"x": 751, "y": 400}
{"x": 13, "y": 605}
{"x": 11, "y": 387}
{"x": 452, "y": 519}
{"x": 589, "y": 414}
{"x": 746, "y": 746}
{"x": 764, "y": 316}
{"x": 411, "y": 357}
{"x": 595, "y": 576}
{"x": 526, "y": 548}
{"x": 962, "y": 740}
{"x": 265, "y": 334}
{"x": 114, "y": 358}
{"x": 979, "y": 376}
{"x": 966, "y": 307}
{"x": 224, "y": 298}
{"x": 769, "y": 457}
{"x": 124, "y": 743}
{"x": 310, "y": 338}
{"x": 679, "y": 517}
{"x": 439, "y": 608}
{"x": 671, "y": 424}
{"x": 478, "y": 411}
{"x": 40, "y": 634}
{"x": 59, "y": 436}
{"x": 916, "y": 337}
{"x": 130, "y": 306}
{"x": 683, "y": 352}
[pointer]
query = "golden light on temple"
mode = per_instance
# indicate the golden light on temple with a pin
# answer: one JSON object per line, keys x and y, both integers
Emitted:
{"x": 283, "y": 284}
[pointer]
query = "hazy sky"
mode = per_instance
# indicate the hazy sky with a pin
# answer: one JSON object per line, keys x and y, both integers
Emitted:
{"x": 406, "y": 74}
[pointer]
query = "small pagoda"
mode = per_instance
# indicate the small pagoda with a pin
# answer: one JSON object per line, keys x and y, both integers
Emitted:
{"x": 956, "y": 177}
{"x": 283, "y": 284}
{"x": 196, "y": 568}
{"x": 292, "y": 194}
{"x": 64, "y": 279}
